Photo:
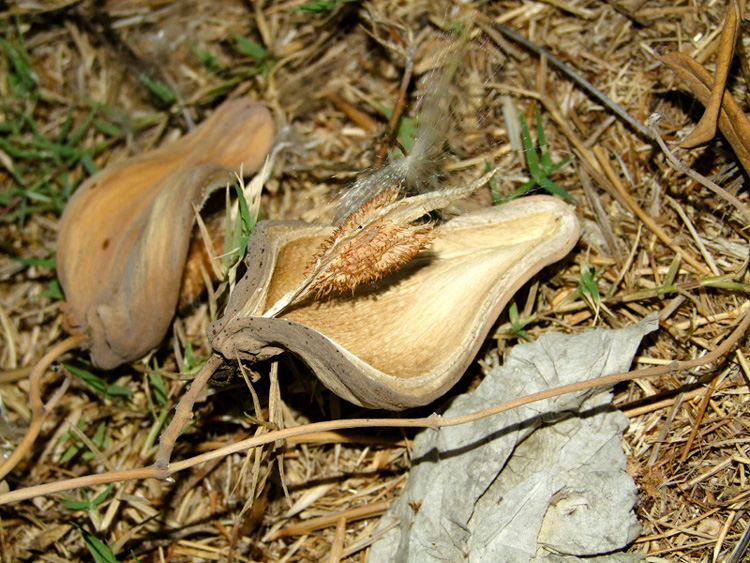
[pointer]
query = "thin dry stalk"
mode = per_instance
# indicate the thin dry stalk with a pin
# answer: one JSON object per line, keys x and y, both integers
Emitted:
{"x": 162, "y": 469}
{"x": 653, "y": 226}
{"x": 40, "y": 410}
{"x": 184, "y": 412}
{"x": 699, "y": 418}
{"x": 702, "y": 180}
{"x": 325, "y": 521}
{"x": 337, "y": 547}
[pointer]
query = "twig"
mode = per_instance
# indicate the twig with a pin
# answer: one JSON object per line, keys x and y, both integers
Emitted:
{"x": 433, "y": 421}
{"x": 696, "y": 237}
{"x": 577, "y": 78}
{"x": 13, "y": 375}
{"x": 674, "y": 531}
{"x": 89, "y": 443}
{"x": 400, "y": 103}
{"x": 739, "y": 550}
{"x": 337, "y": 546}
{"x": 709, "y": 391}
{"x": 601, "y": 216}
{"x": 723, "y": 535}
{"x": 369, "y": 540}
{"x": 39, "y": 410}
{"x": 367, "y": 511}
{"x": 183, "y": 413}
{"x": 633, "y": 12}
{"x": 665, "y": 428}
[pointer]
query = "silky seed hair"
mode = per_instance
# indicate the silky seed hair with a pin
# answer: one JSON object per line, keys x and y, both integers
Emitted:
{"x": 417, "y": 171}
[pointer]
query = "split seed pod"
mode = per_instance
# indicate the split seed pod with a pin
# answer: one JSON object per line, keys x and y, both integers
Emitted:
{"x": 405, "y": 339}
{"x": 125, "y": 233}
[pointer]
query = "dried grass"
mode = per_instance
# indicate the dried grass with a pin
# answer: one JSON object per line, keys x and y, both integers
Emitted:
{"x": 646, "y": 227}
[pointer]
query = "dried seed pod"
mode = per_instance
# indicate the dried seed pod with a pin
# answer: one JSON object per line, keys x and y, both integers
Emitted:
{"x": 406, "y": 339}
{"x": 125, "y": 233}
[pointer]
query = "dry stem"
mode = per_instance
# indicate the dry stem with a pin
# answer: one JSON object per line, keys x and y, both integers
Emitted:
{"x": 183, "y": 413}
{"x": 40, "y": 410}
{"x": 162, "y": 469}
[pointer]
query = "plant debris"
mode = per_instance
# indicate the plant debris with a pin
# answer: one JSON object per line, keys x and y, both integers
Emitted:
{"x": 85, "y": 83}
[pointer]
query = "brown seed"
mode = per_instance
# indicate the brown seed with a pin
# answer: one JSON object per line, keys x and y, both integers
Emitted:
{"x": 366, "y": 247}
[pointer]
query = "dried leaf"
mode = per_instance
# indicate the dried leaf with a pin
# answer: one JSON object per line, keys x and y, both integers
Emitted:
{"x": 125, "y": 233}
{"x": 732, "y": 121}
{"x": 406, "y": 339}
{"x": 706, "y": 128}
{"x": 541, "y": 478}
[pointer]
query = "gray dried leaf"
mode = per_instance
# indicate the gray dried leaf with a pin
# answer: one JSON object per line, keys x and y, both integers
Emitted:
{"x": 544, "y": 482}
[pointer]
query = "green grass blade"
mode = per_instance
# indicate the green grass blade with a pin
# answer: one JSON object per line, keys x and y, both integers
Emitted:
{"x": 98, "y": 384}
{"x": 101, "y": 497}
{"x": 66, "y": 126}
{"x": 542, "y": 142}
{"x": 529, "y": 151}
{"x": 317, "y": 6}
{"x": 158, "y": 388}
{"x": 557, "y": 166}
{"x": 72, "y": 504}
{"x": 54, "y": 291}
{"x": 554, "y": 189}
{"x": 88, "y": 163}
{"x": 588, "y": 282}
{"x": 100, "y": 551}
{"x": 22, "y": 78}
{"x": 39, "y": 262}
{"x": 248, "y": 48}
{"x": 160, "y": 90}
